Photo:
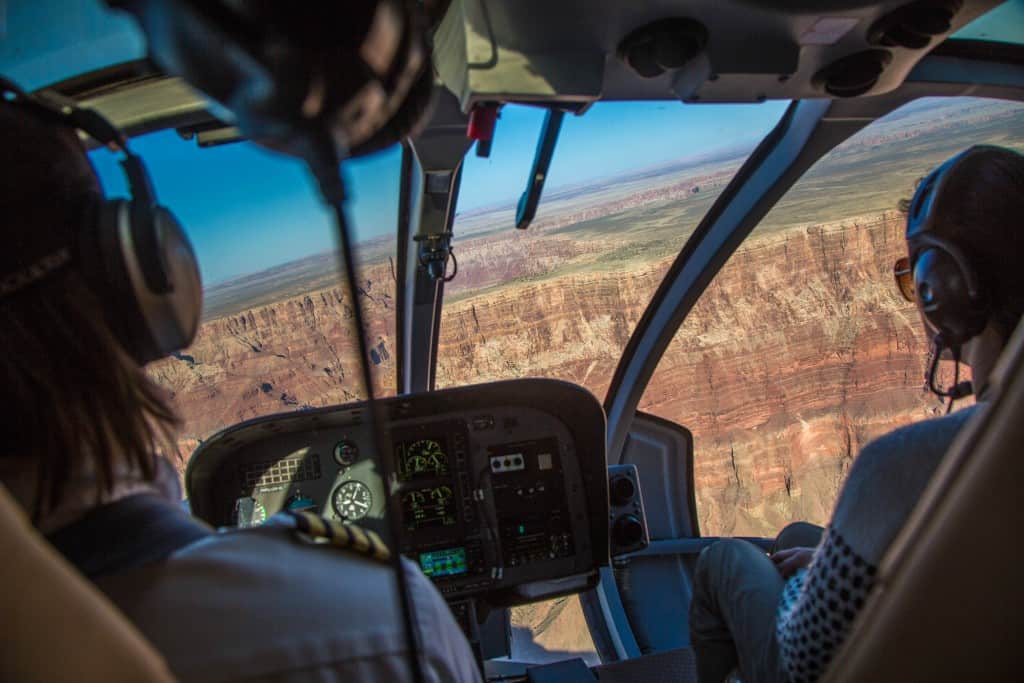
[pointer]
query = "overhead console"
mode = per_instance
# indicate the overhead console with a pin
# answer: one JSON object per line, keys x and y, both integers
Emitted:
{"x": 699, "y": 51}
{"x": 503, "y": 486}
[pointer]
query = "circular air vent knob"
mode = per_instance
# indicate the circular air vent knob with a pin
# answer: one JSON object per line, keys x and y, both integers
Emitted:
{"x": 666, "y": 44}
{"x": 641, "y": 57}
{"x": 902, "y": 36}
{"x": 627, "y": 530}
{"x": 914, "y": 25}
{"x": 621, "y": 490}
{"x": 853, "y": 74}
{"x": 673, "y": 48}
{"x": 932, "y": 19}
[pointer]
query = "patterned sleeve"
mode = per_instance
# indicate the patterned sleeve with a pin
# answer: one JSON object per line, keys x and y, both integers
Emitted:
{"x": 818, "y": 606}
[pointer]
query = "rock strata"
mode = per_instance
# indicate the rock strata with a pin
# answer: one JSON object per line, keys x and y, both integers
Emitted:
{"x": 289, "y": 355}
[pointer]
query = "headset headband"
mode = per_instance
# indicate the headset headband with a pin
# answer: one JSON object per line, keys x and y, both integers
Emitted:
{"x": 93, "y": 124}
{"x": 100, "y": 129}
{"x": 922, "y": 217}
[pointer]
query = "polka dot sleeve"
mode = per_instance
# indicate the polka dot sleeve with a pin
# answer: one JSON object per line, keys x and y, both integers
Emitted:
{"x": 818, "y": 606}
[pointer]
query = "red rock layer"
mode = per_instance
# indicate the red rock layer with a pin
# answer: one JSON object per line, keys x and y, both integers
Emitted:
{"x": 289, "y": 355}
{"x": 798, "y": 353}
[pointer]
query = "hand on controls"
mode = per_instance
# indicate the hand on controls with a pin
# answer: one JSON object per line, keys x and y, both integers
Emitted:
{"x": 789, "y": 560}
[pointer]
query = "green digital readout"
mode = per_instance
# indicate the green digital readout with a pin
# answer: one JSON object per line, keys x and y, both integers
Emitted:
{"x": 447, "y": 562}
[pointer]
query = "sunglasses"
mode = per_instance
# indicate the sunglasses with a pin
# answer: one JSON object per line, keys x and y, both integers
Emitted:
{"x": 904, "y": 278}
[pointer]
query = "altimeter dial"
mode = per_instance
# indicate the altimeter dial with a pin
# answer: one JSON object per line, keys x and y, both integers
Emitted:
{"x": 352, "y": 500}
{"x": 424, "y": 457}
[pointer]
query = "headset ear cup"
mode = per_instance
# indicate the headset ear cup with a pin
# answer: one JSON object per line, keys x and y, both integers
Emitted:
{"x": 148, "y": 238}
{"x": 944, "y": 297}
{"x": 107, "y": 256}
{"x": 168, "y": 320}
{"x": 148, "y": 324}
{"x": 184, "y": 303}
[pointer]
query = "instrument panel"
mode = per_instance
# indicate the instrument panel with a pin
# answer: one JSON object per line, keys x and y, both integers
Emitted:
{"x": 502, "y": 488}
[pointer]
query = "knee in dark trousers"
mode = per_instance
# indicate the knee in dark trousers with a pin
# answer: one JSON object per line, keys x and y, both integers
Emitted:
{"x": 798, "y": 535}
{"x": 735, "y": 599}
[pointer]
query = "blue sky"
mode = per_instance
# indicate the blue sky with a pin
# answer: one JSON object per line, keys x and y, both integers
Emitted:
{"x": 247, "y": 209}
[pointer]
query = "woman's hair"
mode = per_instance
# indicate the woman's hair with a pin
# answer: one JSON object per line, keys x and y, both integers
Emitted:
{"x": 74, "y": 400}
{"x": 980, "y": 210}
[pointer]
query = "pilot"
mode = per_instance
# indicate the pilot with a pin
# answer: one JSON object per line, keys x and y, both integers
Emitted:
{"x": 82, "y": 429}
{"x": 781, "y": 618}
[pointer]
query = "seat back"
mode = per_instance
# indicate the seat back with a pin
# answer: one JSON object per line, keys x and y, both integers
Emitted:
{"x": 949, "y": 603}
{"x": 57, "y": 626}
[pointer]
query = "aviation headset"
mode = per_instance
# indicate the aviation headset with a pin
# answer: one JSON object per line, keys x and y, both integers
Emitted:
{"x": 949, "y": 291}
{"x": 133, "y": 253}
{"x": 358, "y": 71}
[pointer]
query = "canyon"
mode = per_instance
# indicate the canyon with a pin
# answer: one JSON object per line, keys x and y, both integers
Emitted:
{"x": 779, "y": 384}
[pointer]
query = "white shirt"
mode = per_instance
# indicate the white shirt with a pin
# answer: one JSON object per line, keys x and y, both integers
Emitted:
{"x": 261, "y": 605}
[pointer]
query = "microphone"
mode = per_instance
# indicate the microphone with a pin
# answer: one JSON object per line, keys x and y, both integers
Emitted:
{"x": 959, "y": 389}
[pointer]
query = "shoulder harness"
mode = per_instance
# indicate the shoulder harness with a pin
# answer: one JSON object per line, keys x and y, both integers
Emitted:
{"x": 313, "y": 528}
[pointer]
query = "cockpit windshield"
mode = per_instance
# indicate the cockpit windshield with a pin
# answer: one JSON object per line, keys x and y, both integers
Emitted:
{"x": 628, "y": 186}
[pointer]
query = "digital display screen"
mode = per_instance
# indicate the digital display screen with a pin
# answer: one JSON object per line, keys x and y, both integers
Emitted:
{"x": 429, "y": 507}
{"x": 447, "y": 562}
{"x": 421, "y": 459}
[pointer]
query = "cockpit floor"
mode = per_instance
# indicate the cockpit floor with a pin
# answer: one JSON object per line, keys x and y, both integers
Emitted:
{"x": 670, "y": 666}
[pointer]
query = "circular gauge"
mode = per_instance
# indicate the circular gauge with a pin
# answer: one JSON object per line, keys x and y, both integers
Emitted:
{"x": 249, "y": 512}
{"x": 345, "y": 453}
{"x": 425, "y": 455}
{"x": 352, "y": 500}
{"x": 441, "y": 494}
{"x": 299, "y": 502}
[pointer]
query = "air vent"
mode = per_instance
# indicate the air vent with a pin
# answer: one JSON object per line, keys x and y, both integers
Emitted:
{"x": 663, "y": 46}
{"x": 914, "y": 25}
{"x": 854, "y": 74}
{"x": 627, "y": 529}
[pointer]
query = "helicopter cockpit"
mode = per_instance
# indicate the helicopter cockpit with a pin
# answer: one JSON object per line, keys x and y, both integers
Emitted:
{"x": 569, "y": 201}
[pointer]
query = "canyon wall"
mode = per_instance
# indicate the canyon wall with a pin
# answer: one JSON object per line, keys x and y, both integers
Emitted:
{"x": 296, "y": 353}
{"x": 799, "y": 353}
{"x": 571, "y": 327}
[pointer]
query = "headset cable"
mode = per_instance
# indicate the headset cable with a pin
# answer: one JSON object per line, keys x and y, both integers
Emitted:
{"x": 326, "y": 169}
